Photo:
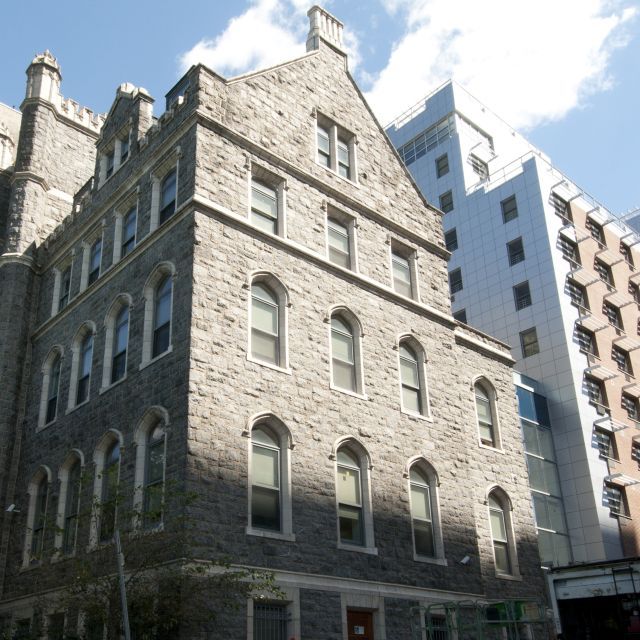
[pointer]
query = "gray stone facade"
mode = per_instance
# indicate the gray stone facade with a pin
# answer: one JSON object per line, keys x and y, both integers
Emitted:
{"x": 216, "y": 135}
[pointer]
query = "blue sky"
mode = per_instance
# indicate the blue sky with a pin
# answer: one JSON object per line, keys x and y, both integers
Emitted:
{"x": 564, "y": 72}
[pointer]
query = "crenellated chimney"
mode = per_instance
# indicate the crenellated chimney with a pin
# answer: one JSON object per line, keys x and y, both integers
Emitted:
{"x": 324, "y": 26}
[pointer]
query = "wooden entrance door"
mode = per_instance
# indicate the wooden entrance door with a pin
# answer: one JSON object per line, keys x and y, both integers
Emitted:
{"x": 360, "y": 625}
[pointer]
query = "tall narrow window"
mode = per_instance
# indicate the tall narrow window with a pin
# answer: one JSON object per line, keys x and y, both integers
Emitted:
{"x": 53, "y": 390}
{"x": 168, "y": 196}
{"x": 339, "y": 243}
{"x": 264, "y": 324}
{"x": 485, "y": 413}
{"x": 154, "y": 477}
{"x": 401, "y": 267}
{"x": 446, "y": 202}
{"x": 265, "y": 480}
{"x": 421, "y": 515}
{"x": 451, "y": 239}
{"x": 71, "y": 509}
{"x": 344, "y": 163}
{"x": 120, "y": 343}
{"x": 109, "y": 494}
{"x": 499, "y": 535}
{"x": 84, "y": 369}
{"x": 264, "y": 207}
{"x": 509, "y": 208}
{"x": 455, "y": 280}
{"x": 410, "y": 380}
{"x": 124, "y": 148}
{"x": 324, "y": 147}
{"x": 343, "y": 365}
{"x": 65, "y": 288}
{"x": 349, "y": 490}
{"x": 39, "y": 520}
{"x": 110, "y": 160}
{"x": 442, "y": 165}
{"x": 162, "y": 317}
{"x": 129, "y": 223}
{"x": 515, "y": 250}
{"x": 522, "y": 295}
{"x": 95, "y": 259}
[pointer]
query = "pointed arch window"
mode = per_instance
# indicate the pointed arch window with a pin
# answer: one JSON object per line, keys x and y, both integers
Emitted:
{"x": 109, "y": 491}
{"x": 168, "y": 196}
{"x": 39, "y": 519}
{"x": 350, "y": 506}
{"x": 486, "y": 414}
{"x": 153, "y": 495}
{"x": 413, "y": 383}
{"x": 421, "y": 513}
{"x": 265, "y": 330}
{"x": 344, "y": 355}
{"x": 504, "y": 549}
{"x": 120, "y": 344}
{"x": 162, "y": 317}
{"x": 265, "y": 480}
{"x": 53, "y": 390}
{"x": 84, "y": 372}
{"x": 71, "y": 508}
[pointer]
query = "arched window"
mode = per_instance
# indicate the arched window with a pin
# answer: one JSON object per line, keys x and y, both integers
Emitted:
{"x": 502, "y": 533}
{"x": 265, "y": 479}
{"x": 162, "y": 317}
{"x": 269, "y": 481}
{"x": 421, "y": 514}
{"x": 84, "y": 372}
{"x": 109, "y": 491}
{"x": 120, "y": 344}
{"x": 168, "y": 196}
{"x": 53, "y": 390}
{"x": 114, "y": 367}
{"x": 349, "y": 490}
{"x": 71, "y": 507}
{"x": 486, "y": 414}
{"x": 265, "y": 330}
{"x": 153, "y": 494}
{"x": 39, "y": 519}
{"x": 345, "y": 352}
{"x": 413, "y": 384}
{"x": 353, "y": 495}
{"x": 425, "y": 518}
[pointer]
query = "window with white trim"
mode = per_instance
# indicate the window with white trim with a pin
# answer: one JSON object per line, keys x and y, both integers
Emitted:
{"x": 114, "y": 366}
{"x": 168, "y": 191}
{"x": 335, "y": 148}
{"x": 346, "y": 370}
{"x": 165, "y": 184}
{"x": 129, "y": 223}
{"x": 486, "y": 413}
{"x": 403, "y": 270}
{"x": 69, "y": 504}
{"x": 265, "y": 324}
{"x": 413, "y": 384}
{"x": 158, "y": 312}
{"x": 109, "y": 492}
{"x": 91, "y": 259}
{"x": 37, "y": 517}
{"x": 49, "y": 396}
{"x": 341, "y": 241}
{"x": 350, "y": 500}
{"x": 62, "y": 285}
{"x": 162, "y": 317}
{"x": 81, "y": 365}
{"x": 422, "y": 513}
{"x": 605, "y": 442}
{"x": 154, "y": 470}
{"x": 500, "y": 534}
{"x": 616, "y": 498}
{"x": 264, "y": 207}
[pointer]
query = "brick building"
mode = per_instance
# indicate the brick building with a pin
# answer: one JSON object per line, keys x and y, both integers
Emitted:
{"x": 248, "y": 295}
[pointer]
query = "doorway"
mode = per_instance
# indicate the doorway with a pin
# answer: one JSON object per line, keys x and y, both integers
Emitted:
{"x": 359, "y": 625}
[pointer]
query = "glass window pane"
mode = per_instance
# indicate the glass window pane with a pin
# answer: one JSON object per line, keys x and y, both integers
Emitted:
{"x": 344, "y": 375}
{"x": 264, "y": 316}
{"x": 409, "y": 372}
{"x": 498, "y": 529}
{"x": 484, "y": 410}
{"x": 265, "y": 508}
{"x": 342, "y": 346}
{"x": 501, "y": 555}
{"x": 168, "y": 190}
{"x": 411, "y": 399}
{"x": 155, "y": 468}
{"x": 420, "y": 503}
{"x": 348, "y": 486}
{"x": 264, "y": 347}
{"x": 423, "y": 538}
{"x": 265, "y": 470}
{"x": 263, "y": 222}
{"x": 350, "y": 519}
{"x": 264, "y": 200}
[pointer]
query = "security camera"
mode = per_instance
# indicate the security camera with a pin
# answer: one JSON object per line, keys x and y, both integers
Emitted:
{"x": 466, "y": 560}
{"x": 12, "y": 508}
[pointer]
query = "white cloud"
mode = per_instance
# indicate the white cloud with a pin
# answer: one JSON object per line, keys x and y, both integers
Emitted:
{"x": 529, "y": 60}
{"x": 267, "y": 33}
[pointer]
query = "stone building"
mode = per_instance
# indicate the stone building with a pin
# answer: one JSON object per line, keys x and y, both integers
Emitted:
{"x": 248, "y": 295}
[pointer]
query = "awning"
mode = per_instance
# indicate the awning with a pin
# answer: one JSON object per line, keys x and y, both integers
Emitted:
{"x": 609, "y": 424}
{"x": 600, "y": 372}
{"x": 591, "y": 322}
{"x": 626, "y": 343}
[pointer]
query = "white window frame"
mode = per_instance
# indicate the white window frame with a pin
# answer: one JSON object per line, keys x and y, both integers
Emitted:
{"x": 274, "y": 182}
{"x": 337, "y": 134}
{"x": 359, "y": 451}
{"x": 121, "y": 300}
{"x": 121, "y": 212}
{"x": 346, "y": 315}
{"x": 158, "y": 174}
{"x": 275, "y": 284}
{"x": 504, "y": 501}
{"x": 427, "y": 470}
{"x": 421, "y": 359}
{"x": 156, "y": 277}
{"x": 108, "y": 439}
{"x": 74, "y": 456}
{"x": 41, "y": 477}
{"x": 87, "y": 244}
{"x": 58, "y": 271}
{"x": 490, "y": 390}
{"x": 350, "y": 223}
{"x": 86, "y": 329}
{"x": 410, "y": 254}
{"x": 153, "y": 417}
{"x": 285, "y": 441}
{"x": 55, "y": 352}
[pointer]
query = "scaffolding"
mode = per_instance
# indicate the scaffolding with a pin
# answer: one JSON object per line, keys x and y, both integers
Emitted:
{"x": 524, "y": 619}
